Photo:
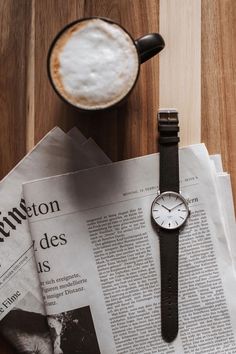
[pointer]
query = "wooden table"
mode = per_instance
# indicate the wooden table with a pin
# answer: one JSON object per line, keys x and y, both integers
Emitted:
{"x": 30, "y": 108}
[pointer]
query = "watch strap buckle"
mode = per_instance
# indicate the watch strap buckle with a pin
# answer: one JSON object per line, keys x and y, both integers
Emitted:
{"x": 168, "y": 117}
{"x": 168, "y": 126}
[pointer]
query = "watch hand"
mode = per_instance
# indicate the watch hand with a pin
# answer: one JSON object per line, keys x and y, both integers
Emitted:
{"x": 165, "y": 207}
{"x": 176, "y": 206}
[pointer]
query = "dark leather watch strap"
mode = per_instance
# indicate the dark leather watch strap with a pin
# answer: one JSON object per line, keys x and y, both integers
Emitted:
{"x": 169, "y": 245}
{"x": 168, "y": 147}
{"x": 169, "y": 239}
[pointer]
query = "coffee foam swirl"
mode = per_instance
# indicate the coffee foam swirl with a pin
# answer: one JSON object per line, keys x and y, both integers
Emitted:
{"x": 94, "y": 64}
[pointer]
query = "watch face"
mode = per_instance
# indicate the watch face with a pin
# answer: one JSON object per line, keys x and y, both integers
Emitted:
{"x": 170, "y": 210}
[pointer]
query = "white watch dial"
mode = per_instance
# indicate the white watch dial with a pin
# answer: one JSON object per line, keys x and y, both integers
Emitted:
{"x": 170, "y": 210}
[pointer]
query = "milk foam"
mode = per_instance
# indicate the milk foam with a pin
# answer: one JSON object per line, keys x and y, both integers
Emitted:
{"x": 94, "y": 64}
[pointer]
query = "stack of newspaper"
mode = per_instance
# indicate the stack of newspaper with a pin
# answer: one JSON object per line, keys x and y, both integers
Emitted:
{"x": 79, "y": 268}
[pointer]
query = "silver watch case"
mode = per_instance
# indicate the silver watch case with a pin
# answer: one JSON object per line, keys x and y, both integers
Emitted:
{"x": 166, "y": 194}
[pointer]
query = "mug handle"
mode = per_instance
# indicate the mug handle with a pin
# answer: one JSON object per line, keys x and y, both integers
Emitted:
{"x": 149, "y": 45}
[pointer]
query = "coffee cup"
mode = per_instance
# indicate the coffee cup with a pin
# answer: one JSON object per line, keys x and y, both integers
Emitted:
{"x": 94, "y": 63}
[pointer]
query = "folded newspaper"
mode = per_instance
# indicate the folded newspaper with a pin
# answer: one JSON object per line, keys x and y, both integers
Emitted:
{"x": 22, "y": 312}
{"x": 97, "y": 257}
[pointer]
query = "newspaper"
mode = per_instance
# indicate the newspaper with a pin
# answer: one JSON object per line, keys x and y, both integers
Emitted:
{"x": 226, "y": 204}
{"x": 103, "y": 296}
{"x": 21, "y": 298}
{"x": 223, "y": 185}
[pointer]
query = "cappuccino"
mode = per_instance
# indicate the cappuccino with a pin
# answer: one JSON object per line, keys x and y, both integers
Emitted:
{"x": 94, "y": 64}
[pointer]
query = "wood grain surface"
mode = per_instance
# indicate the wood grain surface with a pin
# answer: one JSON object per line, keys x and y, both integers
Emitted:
{"x": 15, "y": 17}
{"x": 124, "y": 132}
{"x": 30, "y": 108}
{"x": 179, "y": 83}
{"x": 219, "y": 81}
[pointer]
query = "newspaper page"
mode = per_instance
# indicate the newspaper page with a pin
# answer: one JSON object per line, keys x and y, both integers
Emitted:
{"x": 226, "y": 204}
{"x": 95, "y": 151}
{"x": 21, "y": 299}
{"x": 227, "y": 207}
{"x": 75, "y": 134}
{"x": 102, "y": 283}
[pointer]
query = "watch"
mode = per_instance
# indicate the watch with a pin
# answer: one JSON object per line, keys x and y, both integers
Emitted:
{"x": 169, "y": 213}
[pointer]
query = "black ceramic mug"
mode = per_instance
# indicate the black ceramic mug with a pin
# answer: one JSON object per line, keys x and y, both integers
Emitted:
{"x": 94, "y": 63}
